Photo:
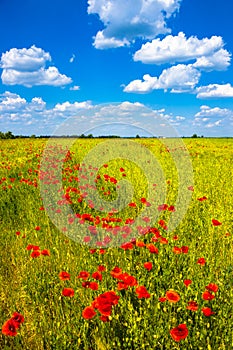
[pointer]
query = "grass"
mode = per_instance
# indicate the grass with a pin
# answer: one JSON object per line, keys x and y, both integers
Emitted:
{"x": 32, "y": 287}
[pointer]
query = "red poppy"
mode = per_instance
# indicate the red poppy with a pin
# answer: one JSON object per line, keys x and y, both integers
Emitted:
{"x": 101, "y": 268}
{"x": 68, "y": 292}
{"x": 179, "y": 332}
{"x": 187, "y": 282}
{"x": 64, "y": 276}
{"x": 37, "y": 228}
{"x": 35, "y": 254}
{"x": 104, "y": 318}
{"x": 177, "y": 250}
{"x": 17, "y": 233}
{"x": 207, "y": 296}
{"x": 132, "y": 204}
{"x": 201, "y": 261}
{"x": 105, "y": 301}
{"x": 212, "y": 287}
{"x": 216, "y": 222}
{"x": 148, "y": 265}
{"x": 184, "y": 249}
{"x": 202, "y": 199}
{"x": 152, "y": 248}
{"x": 18, "y": 318}
{"x": 88, "y": 313}
{"x": 192, "y": 305}
{"x": 83, "y": 275}
{"x": 45, "y": 252}
{"x": 207, "y": 311}
{"x": 171, "y": 208}
{"x": 162, "y": 299}
{"x": 172, "y": 296}
{"x": 142, "y": 292}
{"x": 10, "y": 328}
{"x": 93, "y": 285}
{"x": 116, "y": 272}
{"x": 162, "y": 207}
{"x": 97, "y": 276}
{"x": 191, "y": 188}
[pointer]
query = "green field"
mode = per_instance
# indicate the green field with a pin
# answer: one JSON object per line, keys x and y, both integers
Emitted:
{"x": 188, "y": 278}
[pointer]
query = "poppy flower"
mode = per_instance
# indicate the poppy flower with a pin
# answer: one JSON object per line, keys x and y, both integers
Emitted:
{"x": 104, "y": 318}
{"x": 187, "y": 282}
{"x": 101, "y": 268}
{"x": 83, "y": 275}
{"x": 64, "y": 276}
{"x": 142, "y": 292}
{"x": 184, "y": 249}
{"x": 152, "y": 248}
{"x": 216, "y": 222}
{"x": 18, "y": 318}
{"x": 45, "y": 252}
{"x": 97, "y": 276}
{"x": 68, "y": 292}
{"x": 148, "y": 265}
{"x": 93, "y": 285}
{"x": 201, "y": 261}
{"x": 10, "y": 328}
{"x": 207, "y": 296}
{"x": 88, "y": 313}
{"x": 192, "y": 305}
{"x": 177, "y": 250}
{"x": 162, "y": 299}
{"x": 17, "y": 233}
{"x": 172, "y": 296}
{"x": 207, "y": 311}
{"x": 35, "y": 254}
{"x": 212, "y": 287}
{"x": 180, "y": 332}
{"x": 202, "y": 199}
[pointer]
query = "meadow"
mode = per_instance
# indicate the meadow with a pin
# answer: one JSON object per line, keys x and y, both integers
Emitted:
{"x": 63, "y": 288}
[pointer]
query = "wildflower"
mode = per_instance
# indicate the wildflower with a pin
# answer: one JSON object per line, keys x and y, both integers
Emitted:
{"x": 207, "y": 311}
{"x": 64, "y": 276}
{"x": 35, "y": 254}
{"x": 179, "y": 332}
{"x": 83, "y": 275}
{"x": 212, "y": 287}
{"x": 216, "y": 222}
{"x": 192, "y": 305}
{"x": 88, "y": 313}
{"x": 10, "y": 328}
{"x": 45, "y": 252}
{"x": 97, "y": 276}
{"x": 142, "y": 292}
{"x": 18, "y": 318}
{"x": 148, "y": 266}
{"x": 201, "y": 261}
{"x": 207, "y": 296}
{"x": 172, "y": 296}
{"x": 187, "y": 282}
{"x": 68, "y": 292}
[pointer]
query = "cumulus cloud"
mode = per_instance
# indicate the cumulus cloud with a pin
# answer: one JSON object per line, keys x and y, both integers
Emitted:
{"x": 68, "y": 107}
{"x": 124, "y": 21}
{"x": 214, "y": 91}
{"x": 28, "y": 67}
{"x": 208, "y": 54}
{"x": 75, "y": 88}
{"x": 214, "y": 112}
{"x": 178, "y": 78}
{"x": 211, "y": 117}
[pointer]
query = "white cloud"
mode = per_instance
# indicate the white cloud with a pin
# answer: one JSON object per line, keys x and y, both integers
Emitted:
{"x": 125, "y": 21}
{"x": 68, "y": 107}
{"x": 208, "y": 53}
{"x": 214, "y": 91}
{"x": 72, "y": 58}
{"x": 11, "y": 102}
{"x": 102, "y": 42}
{"x": 27, "y": 60}
{"x": 207, "y": 112}
{"x": 27, "y": 67}
{"x": 178, "y": 78}
{"x": 75, "y": 88}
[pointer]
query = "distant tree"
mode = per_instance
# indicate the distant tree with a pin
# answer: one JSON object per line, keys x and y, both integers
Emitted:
{"x": 194, "y": 136}
{"x": 137, "y": 136}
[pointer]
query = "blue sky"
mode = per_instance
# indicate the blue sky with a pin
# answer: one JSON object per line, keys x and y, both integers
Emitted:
{"x": 66, "y": 58}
